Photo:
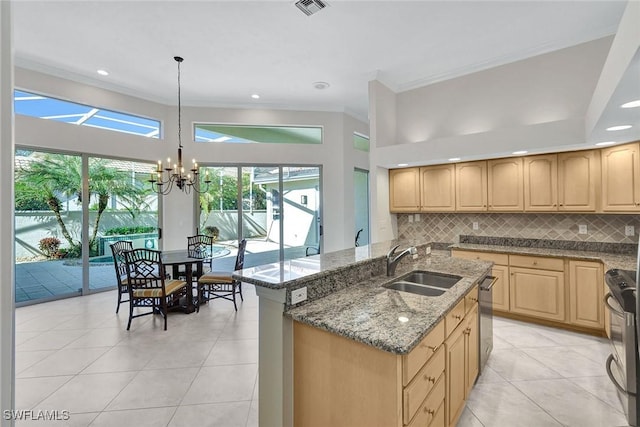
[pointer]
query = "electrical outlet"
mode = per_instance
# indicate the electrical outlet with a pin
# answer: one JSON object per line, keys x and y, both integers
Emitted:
{"x": 629, "y": 230}
{"x": 428, "y": 250}
{"x": 410, "y": 218}
{"x": 475, "y": 225}
{"x": 298, "y": 295}
{"x": 417, "y": 216}
{"x": 582, "y": 229}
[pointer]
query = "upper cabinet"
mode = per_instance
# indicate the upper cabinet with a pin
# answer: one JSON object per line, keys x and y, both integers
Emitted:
{"x": 438, "y": 190}
{"x": 541, "y": 183}
{"x": 606, "y": 180}
{"x": 404, "y": 190}
{"x": 621, "y": 178}
{"x": 578, "y": 181}
{"x": 471, "y": 186}
{"x": 505, "y": 189}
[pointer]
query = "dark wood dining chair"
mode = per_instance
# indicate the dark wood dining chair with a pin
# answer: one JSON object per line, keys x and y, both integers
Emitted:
{"x": 220, "y": 284}
{"x": 148, "y": 286}
{"x": 117, "y": 250}
{"x": 201, "y": 246}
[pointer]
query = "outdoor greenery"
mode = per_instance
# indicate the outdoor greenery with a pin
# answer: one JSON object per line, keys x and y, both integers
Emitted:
{"x": 49, "y": 246}
{"x": 54, "y": 179}
{"x": 223, "y": 194}
{"x": 129, "y": 230}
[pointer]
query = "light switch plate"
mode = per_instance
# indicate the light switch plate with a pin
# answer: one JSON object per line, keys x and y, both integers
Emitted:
{"x": 417, "y": 217}
{"x": 475, "y": 225}
{"x": 582, "y": 229}
{"x": 410, "y": 218}
{"x": 629, "y": 230}
{"x": 298, "y": 295}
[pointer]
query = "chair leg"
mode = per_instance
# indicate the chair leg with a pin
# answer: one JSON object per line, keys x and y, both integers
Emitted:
{"x": 199, "y": 296}
{"x": 240, "y": 287}
{"x": 233, "y": 293}
{"x": 130, "y": 315}
{"x": 119, "y": 299}
{"x": 164, "y": 312}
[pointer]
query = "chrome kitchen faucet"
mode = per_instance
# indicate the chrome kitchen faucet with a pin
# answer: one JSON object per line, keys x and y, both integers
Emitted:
{"x": 392, "y": 261}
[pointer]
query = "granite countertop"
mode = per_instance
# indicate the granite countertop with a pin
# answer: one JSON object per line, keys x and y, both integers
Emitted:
{"x": 368, "y": 313}
{"x": 610, "y": 260}
{"x": 295, "y": 272}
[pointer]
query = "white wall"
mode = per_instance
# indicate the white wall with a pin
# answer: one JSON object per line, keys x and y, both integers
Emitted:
{"x": 178, "y": 209}
{"x": 537, "y": 104}
{"x": 7, "y": 338}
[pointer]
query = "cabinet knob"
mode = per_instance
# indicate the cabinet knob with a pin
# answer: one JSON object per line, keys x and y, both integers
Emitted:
{"x": 457, "y": 316}
{"x": 428, "y": 378}
{"x": 535, "y": 262}
{"x": 433, "y": 349}
{"x": 429, "y": 411}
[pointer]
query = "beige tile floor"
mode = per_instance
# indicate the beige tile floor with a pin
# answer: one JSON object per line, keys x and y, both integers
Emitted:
{"x": 76, "y": 355}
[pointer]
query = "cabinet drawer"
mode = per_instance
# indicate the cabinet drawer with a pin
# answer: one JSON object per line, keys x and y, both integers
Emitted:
{"x": 413, "y": 362}
{"x": 438, "y": 418}
{"x": 431, "y": 407}
{"x": 541, "y": 263}
{"x": 502, "y": 259}
{"x": 454, "y": 317}
{"x": 415, "y": 393}
{"x": 470, "y": 299}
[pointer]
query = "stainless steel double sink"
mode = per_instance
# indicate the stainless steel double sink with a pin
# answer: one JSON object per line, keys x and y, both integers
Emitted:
{"x": 425, "y": 283}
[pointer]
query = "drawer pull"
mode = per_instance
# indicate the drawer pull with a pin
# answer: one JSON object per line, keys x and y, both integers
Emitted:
{"x": 433, "y": 349}
{"x": 457, "y": 316}
{"x": 535, "y": 262}
{"x": 428, "y": 378}
{"x": 474, "y": 299}
{"x": 429, "y": 411}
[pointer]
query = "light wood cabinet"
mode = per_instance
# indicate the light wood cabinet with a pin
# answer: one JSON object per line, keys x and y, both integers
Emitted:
{"x": 471, "y": 186}
{"x": 541, "y": 183}
{"x": 621, "y": 178}
{"x": 578, "y": 181}
{"x": 504, "y": 181}
{"x": 462, "y": 366}
{"x": 586, "y": 287}
{"x": 500, "y": 271}
{"x": 438, "y": 190}
{"x": 341, "y": 382}
{"x": 404, "y": 190}
{"x": 537, "y": 293}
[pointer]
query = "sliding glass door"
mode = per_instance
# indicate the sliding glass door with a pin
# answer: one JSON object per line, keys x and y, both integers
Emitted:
{"x": 69, "y": 208}
{"x": 275, "y": 208}
{"x": 121, "y": 207}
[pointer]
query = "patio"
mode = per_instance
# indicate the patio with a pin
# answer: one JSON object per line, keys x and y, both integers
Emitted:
{"x": 46, "y": 280}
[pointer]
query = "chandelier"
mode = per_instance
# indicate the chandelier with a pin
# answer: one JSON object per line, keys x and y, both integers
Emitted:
{"x": 166, "y": 176}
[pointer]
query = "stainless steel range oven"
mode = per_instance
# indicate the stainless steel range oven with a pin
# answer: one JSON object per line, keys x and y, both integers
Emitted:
{"x": 622, "y": 363}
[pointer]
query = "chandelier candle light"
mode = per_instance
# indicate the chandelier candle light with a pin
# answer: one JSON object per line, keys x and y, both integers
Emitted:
{"x": 162, "y": 184}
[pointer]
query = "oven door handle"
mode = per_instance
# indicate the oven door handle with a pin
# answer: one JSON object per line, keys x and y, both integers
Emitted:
{"x": 612, "y": 308}
{"x": 612, "y": 378}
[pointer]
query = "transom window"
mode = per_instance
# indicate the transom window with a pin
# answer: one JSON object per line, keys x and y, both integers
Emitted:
{"x": 34, "y": 105}
{"x": 242, "y": 134}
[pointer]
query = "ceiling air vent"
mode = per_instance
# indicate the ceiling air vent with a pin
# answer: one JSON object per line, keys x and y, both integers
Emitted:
{"x": 309, "y": 7}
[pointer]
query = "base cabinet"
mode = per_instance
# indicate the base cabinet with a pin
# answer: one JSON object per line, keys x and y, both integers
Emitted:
{"x": 585, "y": 290}
{"x": 537, "y": 293}
{"x": 462, "y": 364}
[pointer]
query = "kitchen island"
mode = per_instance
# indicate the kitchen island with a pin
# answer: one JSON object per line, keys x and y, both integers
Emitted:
{"x": 346, "y": 302}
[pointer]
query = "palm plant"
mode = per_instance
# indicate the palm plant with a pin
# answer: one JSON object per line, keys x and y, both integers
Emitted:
{"x": 55, "y": 177}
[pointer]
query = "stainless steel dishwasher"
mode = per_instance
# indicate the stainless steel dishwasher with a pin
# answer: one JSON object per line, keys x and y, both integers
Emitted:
{"x": 485, "y": 297}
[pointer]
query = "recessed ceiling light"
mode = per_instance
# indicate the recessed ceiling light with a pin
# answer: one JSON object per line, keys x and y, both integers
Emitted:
{"x": 454, "y": 159}
{"x": 605, "y": 143}
{"x": 103, "y": 72}
{"x": 255, "y": 96}
{"x": 520, "y": 152}
{"x": 621, "y": 127}
{"x": 403, "y": 164}
{"x": 632, "y": 104}
{"x": 321, "y": 85}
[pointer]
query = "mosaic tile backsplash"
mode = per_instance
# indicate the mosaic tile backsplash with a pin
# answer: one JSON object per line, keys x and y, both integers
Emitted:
{"x": 447, "y": 227}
